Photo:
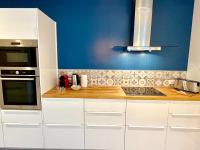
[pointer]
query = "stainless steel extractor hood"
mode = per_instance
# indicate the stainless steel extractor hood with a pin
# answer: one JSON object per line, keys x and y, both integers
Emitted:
{"x": 142, "y": 27}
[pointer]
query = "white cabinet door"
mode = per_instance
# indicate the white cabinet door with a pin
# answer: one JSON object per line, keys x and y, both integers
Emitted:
{"x": 1, "y": 136}
{"x": 23, "y": 135}
{"x": 105, "y": 137}
{"x": 18, "y": 23}
{"x": 150, "y": 113}
{"x": 21, "y": 116}
{"x": 183, "y": 138}
{"x": 63, "y": 123}
{"x": 184, "y": 126}
{"x": 61, "y": 136}
{"x": 145, "y": 138}
{"x": 63, "y": 111}
{"x": 146, "y": 123}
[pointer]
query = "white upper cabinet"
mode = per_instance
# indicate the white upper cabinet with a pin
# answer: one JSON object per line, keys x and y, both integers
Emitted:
{"x": 18, "y": 23}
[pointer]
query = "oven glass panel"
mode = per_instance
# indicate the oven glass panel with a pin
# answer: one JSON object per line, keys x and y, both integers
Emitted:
{"x": 19, "y": 92}
{"x": 18, "y": 57}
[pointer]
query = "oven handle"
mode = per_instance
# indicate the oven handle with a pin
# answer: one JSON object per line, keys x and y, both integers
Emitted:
{"x": 21, "y": 79}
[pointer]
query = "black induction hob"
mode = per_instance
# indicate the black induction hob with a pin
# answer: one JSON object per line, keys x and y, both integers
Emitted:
{"x": 142, "y": 91}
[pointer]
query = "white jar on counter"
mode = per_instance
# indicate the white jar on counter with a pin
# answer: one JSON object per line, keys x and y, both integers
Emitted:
{"x": 84, "y": 81}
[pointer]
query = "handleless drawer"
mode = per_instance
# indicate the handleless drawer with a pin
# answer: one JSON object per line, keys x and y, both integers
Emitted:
{"x": 63, "y": 111}
{"x": 147, "y": 113}
{"x": 184, "y": 114}
{"x": 101, "y": 112}
{"x": 105, "y": 105}
{"x": 21, "y": 116}
{"x": 185, "y": 108}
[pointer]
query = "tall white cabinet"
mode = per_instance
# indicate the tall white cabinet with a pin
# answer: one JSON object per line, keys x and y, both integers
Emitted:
{"x": 21, "y": 128}
{"x": 194, "y": 60}
{"x": 31, "y": 23}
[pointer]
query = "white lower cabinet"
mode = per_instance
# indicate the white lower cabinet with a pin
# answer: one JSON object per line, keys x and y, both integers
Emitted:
{"x": 22, "y": 128}
{"x": 105, "y": 137}
{"x": 64, "y": 136}
{"x": 145, "y": 138}
{"x": 184, "y": 126}
{"x": 104, "y": 124}
{"x": 183, "y": 138}
{"x": 146, "y": 123}
{"x": 63, "y": 123}
{"x": 21, "y": 135}
{"x": 1, "y": 136}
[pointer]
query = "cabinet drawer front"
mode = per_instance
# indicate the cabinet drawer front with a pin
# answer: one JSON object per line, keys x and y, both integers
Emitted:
{"x": 104, "y": 137}
{"x": 145, "y": 138}
{"x": 183, "y": 139}
{"x": 105, "y": 105}
{"x": 191, "y": 121}
{"x": 23, "y": 135}
{"x": 1, "y": 136}
{"x": 21, "y": 116}
{"x": 147, "y": 113}
{"x": 105, "y": 118}
{"x": 66, "y": 136}
{"x": 185, "y": 108}
{"x": 66, "y": 111}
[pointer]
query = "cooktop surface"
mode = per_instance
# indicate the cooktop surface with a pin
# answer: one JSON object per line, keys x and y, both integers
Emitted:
{"x": 142, "y": 91}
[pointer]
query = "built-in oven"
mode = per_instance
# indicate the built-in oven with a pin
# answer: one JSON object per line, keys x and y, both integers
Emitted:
{"x": 18, "y": 53}
{"x": 20, "y": 89}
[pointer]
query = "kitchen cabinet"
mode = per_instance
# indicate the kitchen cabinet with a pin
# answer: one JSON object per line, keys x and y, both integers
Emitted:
{"x": 104, "y": 124}
{"x": 146, "y": 123}
{"x": 1, "y": 133}
{"x": 18, "y": 23}
{"x": 63, "y": 123}
{"x": 184, "y": 126}
{"x": 22, "y": 135}
{"x": 105, "y": 136}
{"x": 22, "y": 128}
{"x": 193, "y": 69}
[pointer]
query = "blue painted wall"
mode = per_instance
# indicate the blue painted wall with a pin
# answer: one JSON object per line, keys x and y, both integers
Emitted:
{"x": 92, "y": 33}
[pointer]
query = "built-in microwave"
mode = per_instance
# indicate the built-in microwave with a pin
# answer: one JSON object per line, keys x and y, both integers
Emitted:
{"x": 18, "y": 53}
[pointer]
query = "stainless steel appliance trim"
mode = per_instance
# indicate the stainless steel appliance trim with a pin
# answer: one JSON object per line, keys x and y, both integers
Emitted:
{"x": 36, "y": 69}
{"x": 18, "y": 43}
{"x": 23, "y": 107}
{"x": 13, "y": 79}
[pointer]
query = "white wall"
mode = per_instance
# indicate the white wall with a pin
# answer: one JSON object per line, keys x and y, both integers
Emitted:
{"x": 194, "y": 56}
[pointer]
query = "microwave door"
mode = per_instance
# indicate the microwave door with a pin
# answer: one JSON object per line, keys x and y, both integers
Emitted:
{"x": 18, "y": 57}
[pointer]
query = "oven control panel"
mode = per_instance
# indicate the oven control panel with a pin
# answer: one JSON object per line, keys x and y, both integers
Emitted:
{"x": 17, "y": 72}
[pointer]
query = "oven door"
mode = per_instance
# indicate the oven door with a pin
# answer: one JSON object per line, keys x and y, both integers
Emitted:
{"x": 18, "y": 57}
{"x": 20, "y": 92}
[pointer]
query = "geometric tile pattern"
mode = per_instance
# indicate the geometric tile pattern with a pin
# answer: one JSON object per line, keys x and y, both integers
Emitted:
{"x": 129, "y": 78}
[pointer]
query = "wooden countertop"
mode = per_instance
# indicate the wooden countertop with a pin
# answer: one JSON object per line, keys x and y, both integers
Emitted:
{"x": 117, "y": 93}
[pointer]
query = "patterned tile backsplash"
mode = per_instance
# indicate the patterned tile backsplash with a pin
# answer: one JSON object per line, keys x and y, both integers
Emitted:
{"x": 129, "y": 78}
